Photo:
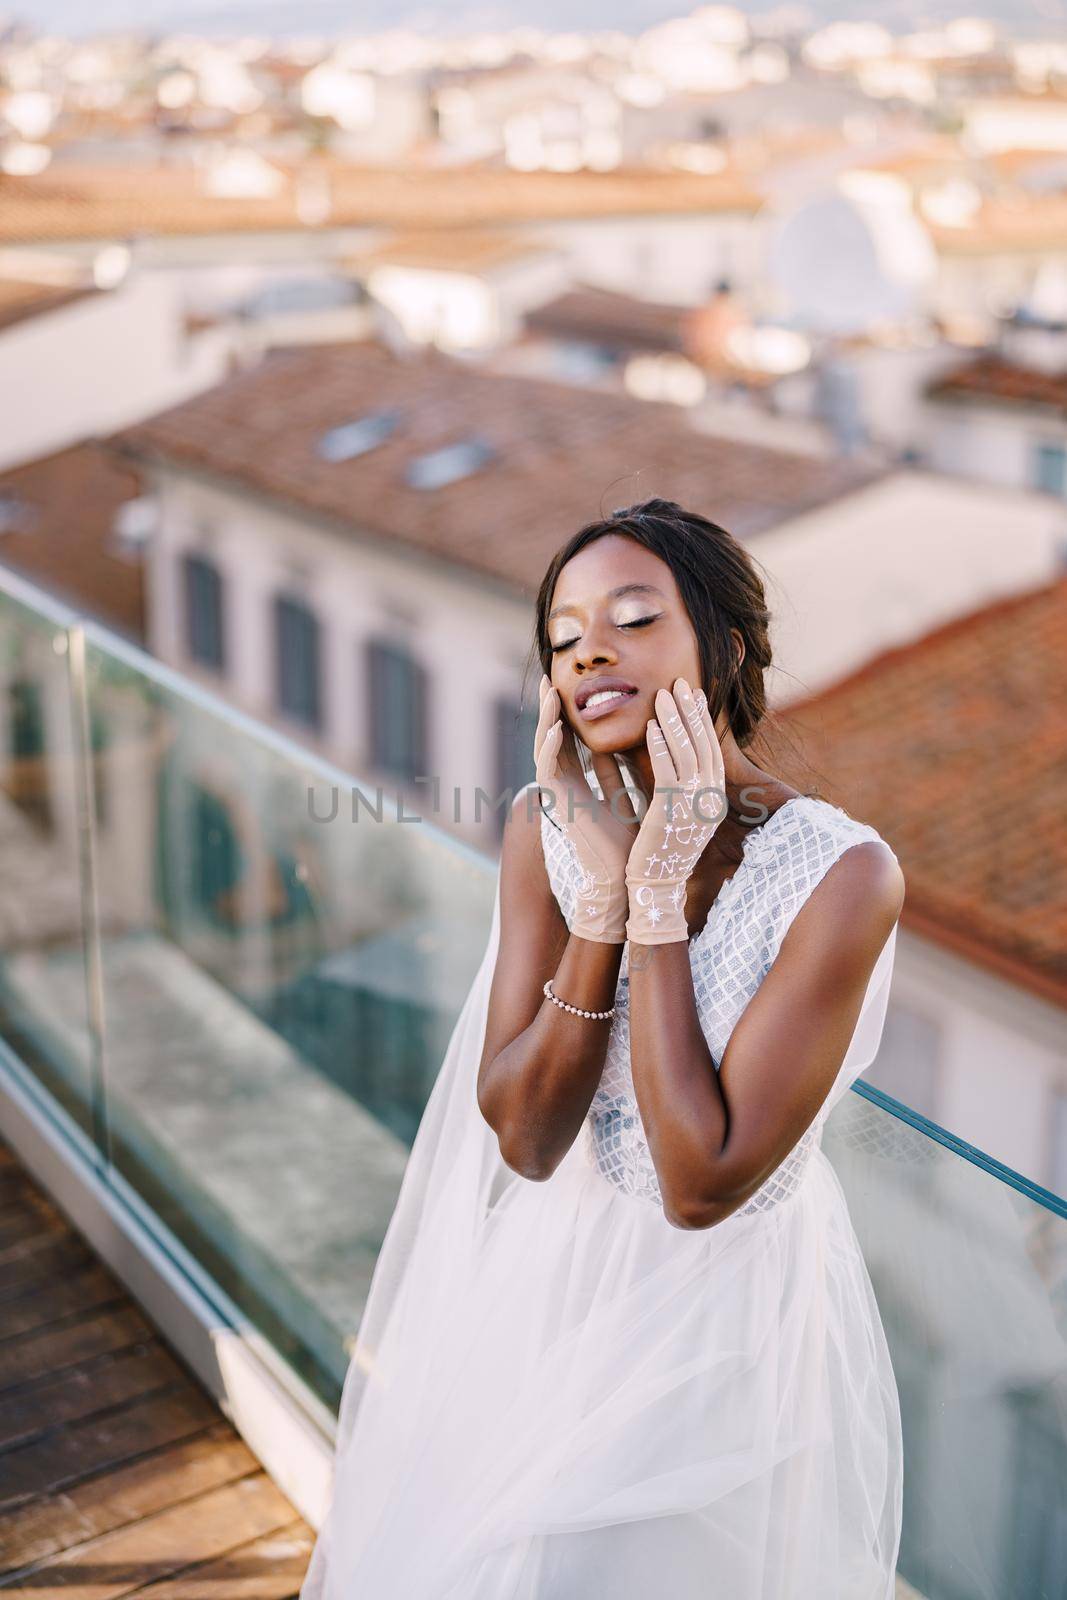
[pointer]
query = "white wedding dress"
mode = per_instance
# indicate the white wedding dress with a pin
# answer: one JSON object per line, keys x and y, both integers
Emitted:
{"x": 557, "y": 1395}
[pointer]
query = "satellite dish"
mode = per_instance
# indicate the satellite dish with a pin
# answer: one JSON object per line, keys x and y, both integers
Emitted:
{"x": 845, "y": 259}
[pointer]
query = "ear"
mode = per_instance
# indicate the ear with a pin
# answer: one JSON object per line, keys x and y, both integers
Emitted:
{"x": 739, "y": 644}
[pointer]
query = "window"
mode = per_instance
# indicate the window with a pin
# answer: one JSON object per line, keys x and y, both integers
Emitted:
{"x": 216, "y": 859}
{"x": 1050, "y": 468}
{"x": 26, "y": 719}
{"x": 438, "y": 468}
{"x": 27, "y": 778}
{"x": 397, "y": 688}
{"x": 514, "y": 739}
{"x": 203, "y": 612}
{"x": 296, "y": 645}
{"x": 353, "y": 439}
{"x": 16, "y": 514}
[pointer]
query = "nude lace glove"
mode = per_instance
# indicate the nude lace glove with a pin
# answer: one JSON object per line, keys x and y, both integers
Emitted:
{"x": 687, "y": 806}
{"x": 600, "y": 839}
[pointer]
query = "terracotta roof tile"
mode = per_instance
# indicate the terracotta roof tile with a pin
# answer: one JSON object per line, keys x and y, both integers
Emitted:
{"x": 22, "y": 298}
{"x": 81, "y": 202}
{"x": 955, "y": 748}
{"x": 606, "y": 317}
{"x": 562, "y": 455}
{"x": 449, "y": 250}
{"x": 992, "y": 378}
{"x": 61, "y": 510}
{"x": 1014, "y": 223}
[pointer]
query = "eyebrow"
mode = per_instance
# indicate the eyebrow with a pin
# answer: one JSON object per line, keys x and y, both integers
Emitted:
{"x": 624, "y": 588}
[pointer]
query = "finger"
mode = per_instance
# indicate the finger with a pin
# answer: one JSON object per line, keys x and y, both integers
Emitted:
{"x": 712, "y": 804}
{"x": 546, "y": 717}
{"x": 545, "y": 765}
{"x": 691, "y": 705}
{"x": 612, "y": 786}
{"x": 713, "y": 750}
{"x": 674, "y": 731}
{"x": 663, "y": 769}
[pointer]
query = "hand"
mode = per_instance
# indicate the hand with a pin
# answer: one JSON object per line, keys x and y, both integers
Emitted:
{"x": 687, "y": 805}
{"x": 601, "y": 836}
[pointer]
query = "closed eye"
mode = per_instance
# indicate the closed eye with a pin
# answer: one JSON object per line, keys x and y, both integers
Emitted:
{"x": 638, "y": 622}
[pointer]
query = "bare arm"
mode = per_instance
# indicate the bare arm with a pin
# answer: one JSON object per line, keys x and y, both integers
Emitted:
{"x": 540, "y": 1066}
{"x": 715, "y": 1137}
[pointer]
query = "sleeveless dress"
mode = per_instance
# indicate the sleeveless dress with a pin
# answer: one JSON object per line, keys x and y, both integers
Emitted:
{"x": 621, "y": 1408}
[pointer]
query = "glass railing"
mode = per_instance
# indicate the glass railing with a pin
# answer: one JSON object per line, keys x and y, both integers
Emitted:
{"x": 238, "y": 978}
{"x": 233, "y": 984}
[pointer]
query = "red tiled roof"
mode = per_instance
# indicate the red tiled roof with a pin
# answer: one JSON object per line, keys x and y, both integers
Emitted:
{"x": 955, "y": 749}
{"x": 68, "y": 502}
{"x": 448, "y": 250}
{"x": 605, "y": 317}
{"x": 22, "y": 298}
{"x": 1012, "y": 224}
{"x": 563, "y": 455}
{"x": 991, "y": 378}
{"x": 81, "y": 202}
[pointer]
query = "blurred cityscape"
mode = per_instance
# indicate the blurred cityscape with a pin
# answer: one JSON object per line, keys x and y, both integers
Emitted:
{"x": 313, "y": 351}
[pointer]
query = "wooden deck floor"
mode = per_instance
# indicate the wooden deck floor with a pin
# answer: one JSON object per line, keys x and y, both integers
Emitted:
{"x": 118, "y": 1474}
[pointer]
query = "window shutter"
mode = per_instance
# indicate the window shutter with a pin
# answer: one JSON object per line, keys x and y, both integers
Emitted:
{"x": 203, "y": 612}
{"x": 297, "y": 660}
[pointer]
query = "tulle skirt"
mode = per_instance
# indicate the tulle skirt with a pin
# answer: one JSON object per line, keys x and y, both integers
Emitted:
{"x": 609, "y": 1406}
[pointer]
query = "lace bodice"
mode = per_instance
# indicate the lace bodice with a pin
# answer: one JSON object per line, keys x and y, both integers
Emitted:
{"x": 783, "y": 861}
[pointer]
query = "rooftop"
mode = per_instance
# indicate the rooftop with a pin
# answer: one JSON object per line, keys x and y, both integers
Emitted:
{"x": 23, "y": 298}
{"x": 607, "y": 317}
{"x": 548, "y": 458}
{"x": 991, "y": 378}
{"x": 449, "y": 250}
{"x": 1018, "y": 223}
{"x": 58, "y": 525}
{"x": 955, "y": 748}
{"x": 84, "y": 202}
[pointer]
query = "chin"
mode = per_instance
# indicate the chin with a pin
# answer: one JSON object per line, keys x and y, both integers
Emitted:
{"x": 614, "y": 735}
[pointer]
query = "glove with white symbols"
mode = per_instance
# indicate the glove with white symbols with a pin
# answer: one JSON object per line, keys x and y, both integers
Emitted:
{"x": 601, "y": 839}
{"x": 688, "y": 803}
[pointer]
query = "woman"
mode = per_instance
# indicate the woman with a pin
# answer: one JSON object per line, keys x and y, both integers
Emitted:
{"x": 621, "y": 1340}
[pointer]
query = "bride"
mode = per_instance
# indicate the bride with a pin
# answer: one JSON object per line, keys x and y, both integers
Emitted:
{"x": 621, "y": 1340}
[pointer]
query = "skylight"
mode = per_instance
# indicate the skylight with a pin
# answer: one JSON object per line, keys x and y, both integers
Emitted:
{"x": 16, "y": 515}
{"x": 437, "y": 468}
{"x": 352, "y": 439}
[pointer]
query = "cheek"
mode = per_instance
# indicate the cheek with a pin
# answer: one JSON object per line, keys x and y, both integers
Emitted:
{"x": 678, "y": 654}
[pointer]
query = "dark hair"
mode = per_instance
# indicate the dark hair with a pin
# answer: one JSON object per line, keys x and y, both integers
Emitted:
{"x": 720, "y": 589}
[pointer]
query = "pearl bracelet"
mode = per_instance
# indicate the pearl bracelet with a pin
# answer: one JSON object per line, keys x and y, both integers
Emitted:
{"x": 575, "y": 1011}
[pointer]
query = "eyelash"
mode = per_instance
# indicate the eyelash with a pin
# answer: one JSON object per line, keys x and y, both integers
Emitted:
{"x": 638, "y": 622}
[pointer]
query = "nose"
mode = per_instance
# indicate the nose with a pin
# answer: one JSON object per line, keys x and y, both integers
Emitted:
{"x": 594, "y": 649}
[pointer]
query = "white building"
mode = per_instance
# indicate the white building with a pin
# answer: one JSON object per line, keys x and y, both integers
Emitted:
{"x": 84, "y": 352}
{"x": 461, "y": 289}
{"x": 1001, "y": 417}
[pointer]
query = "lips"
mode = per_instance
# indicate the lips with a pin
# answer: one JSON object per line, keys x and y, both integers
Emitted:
{"x": 592, "y": 686}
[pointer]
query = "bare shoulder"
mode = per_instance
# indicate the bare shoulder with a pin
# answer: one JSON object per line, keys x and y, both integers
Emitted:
{"x": 836, "y": 936}
{"x": 866, "y": 880}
